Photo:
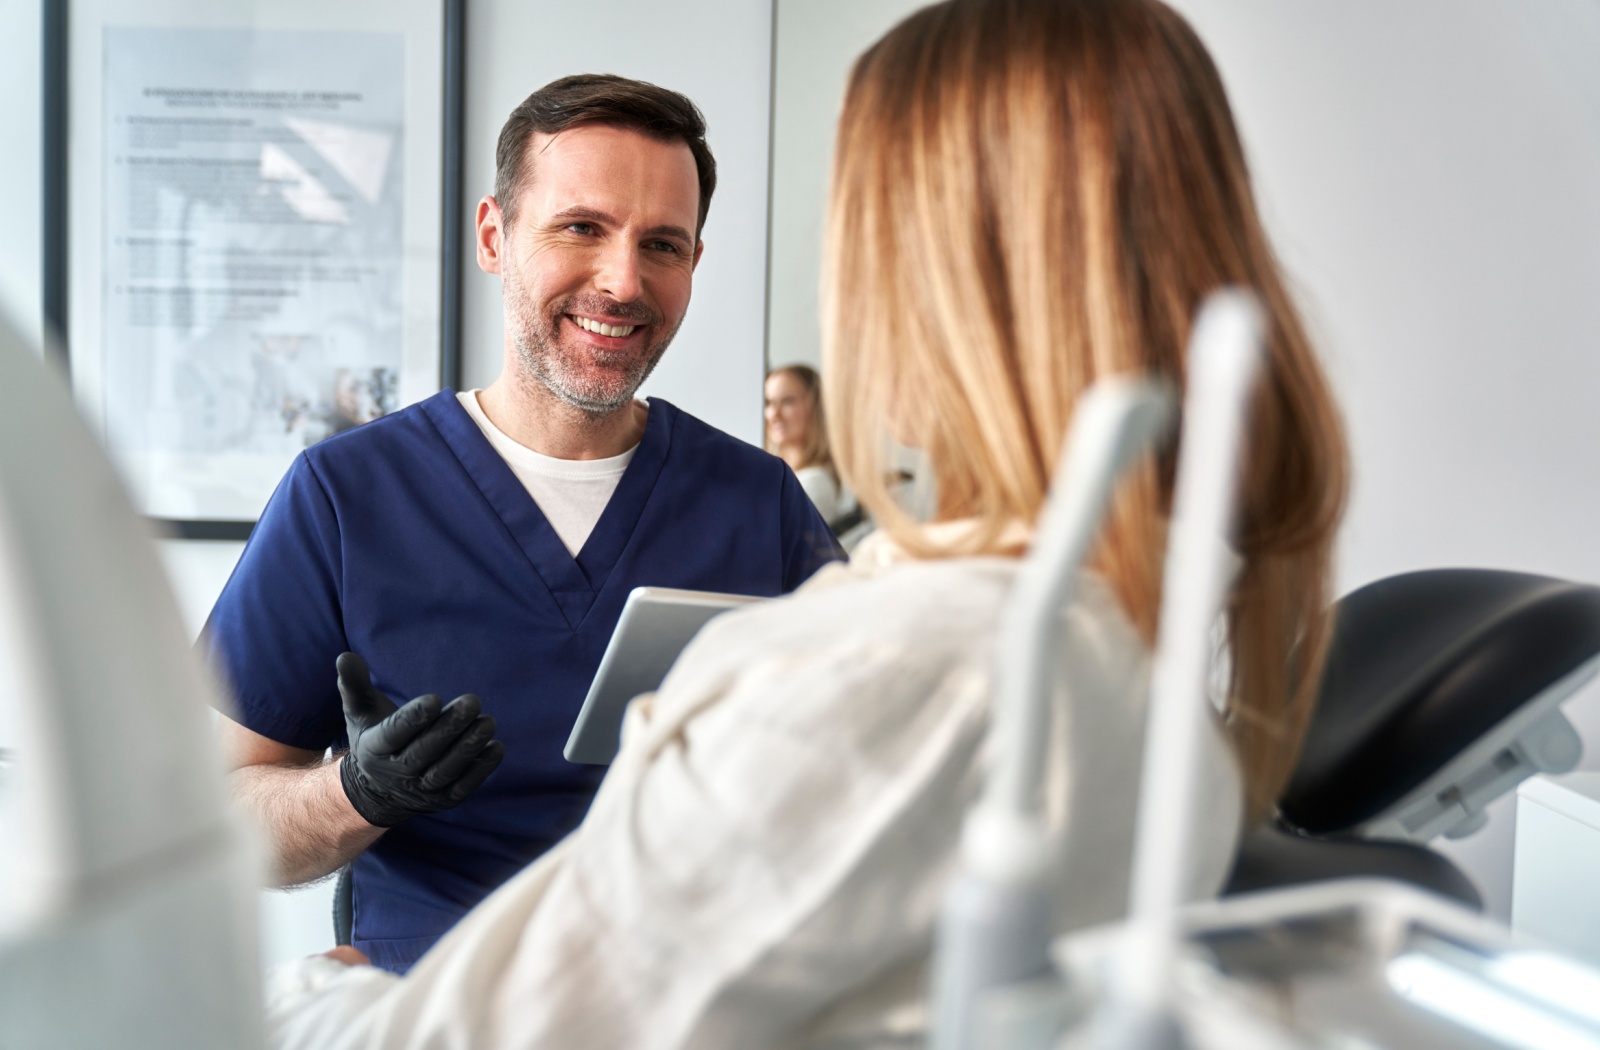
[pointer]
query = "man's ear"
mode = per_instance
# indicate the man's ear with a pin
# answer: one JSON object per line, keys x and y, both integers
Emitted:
{"x": 491, "y": 237}
{"x": 699, "y": 250}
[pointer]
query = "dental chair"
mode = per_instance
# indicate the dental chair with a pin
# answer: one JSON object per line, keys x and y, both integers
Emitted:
{"x": 1442, "y": 692}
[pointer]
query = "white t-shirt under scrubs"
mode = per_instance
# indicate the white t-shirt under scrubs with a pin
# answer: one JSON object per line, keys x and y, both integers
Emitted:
{"x": 572, "y": 493}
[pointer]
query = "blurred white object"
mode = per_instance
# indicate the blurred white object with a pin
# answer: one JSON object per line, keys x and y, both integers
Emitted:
{"x": 995, "y": 923}
{"x": 1557, "y": 863}
{"x": 127, "y": 907}
{"x": 994, "y": 929}
{"x": 1225, "y": 351}
{"x": 1352, "y": 964}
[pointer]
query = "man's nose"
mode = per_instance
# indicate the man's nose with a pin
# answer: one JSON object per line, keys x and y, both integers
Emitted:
{"x": 617, "y": 274}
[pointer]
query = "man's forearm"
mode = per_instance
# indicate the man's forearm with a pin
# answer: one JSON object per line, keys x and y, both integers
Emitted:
{"x": 313, "y": 828}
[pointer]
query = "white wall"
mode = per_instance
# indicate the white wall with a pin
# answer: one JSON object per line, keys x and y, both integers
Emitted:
{"x": 817, "y": 42}
{"x": 718, "y": 52}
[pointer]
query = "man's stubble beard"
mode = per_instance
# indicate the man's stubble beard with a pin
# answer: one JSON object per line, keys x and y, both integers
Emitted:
{"x": 546, "y": 363}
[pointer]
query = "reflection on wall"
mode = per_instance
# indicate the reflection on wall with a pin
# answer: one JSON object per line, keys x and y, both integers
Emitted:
{"x": 817, "y": 41}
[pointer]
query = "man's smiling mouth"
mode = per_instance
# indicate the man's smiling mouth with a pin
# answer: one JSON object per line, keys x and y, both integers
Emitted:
{"x": 601, "y": 328}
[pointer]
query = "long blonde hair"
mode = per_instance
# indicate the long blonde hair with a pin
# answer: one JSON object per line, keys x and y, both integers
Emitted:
{"x": 1029, "y": 195}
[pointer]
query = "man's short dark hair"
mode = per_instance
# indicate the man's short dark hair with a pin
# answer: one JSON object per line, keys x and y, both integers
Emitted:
{"x": 600, "y": 98}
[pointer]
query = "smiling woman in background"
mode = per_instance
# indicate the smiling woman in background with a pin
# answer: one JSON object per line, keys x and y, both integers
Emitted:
{"x": 1028, "y": 195}
{"x": 797, "y": 433}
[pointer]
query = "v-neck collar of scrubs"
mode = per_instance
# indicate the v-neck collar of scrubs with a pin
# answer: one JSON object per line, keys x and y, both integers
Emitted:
{"x": 572, "y": 583}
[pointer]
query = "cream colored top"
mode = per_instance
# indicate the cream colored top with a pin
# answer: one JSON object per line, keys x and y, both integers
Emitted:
{"x": 828, "y": 494}
{"x": 764, "y": 861}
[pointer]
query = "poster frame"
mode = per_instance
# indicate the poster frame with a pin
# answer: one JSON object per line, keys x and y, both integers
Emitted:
{"x": 65, "y": 280}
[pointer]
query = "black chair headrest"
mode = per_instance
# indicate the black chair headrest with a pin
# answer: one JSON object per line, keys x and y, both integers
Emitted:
{"x": 1420, "y": 666}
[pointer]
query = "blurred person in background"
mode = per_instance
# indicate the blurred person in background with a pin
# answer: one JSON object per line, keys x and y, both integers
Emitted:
{"x": 797, "y": 433}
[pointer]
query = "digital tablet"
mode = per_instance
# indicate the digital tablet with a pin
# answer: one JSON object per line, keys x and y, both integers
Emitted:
{"x": 656, "y": 623}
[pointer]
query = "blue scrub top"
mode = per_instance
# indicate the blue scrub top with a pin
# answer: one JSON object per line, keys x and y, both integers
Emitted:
{"x": 410, "y": 541}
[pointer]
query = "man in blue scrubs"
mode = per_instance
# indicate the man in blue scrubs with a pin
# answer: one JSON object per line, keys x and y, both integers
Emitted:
{"x": 485, "y": 541}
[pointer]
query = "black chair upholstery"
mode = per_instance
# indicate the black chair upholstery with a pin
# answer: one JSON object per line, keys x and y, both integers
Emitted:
{"x": 1272, "y": 856}
{"x": 1422, "y": 665}
{"x": 847, "y": 521}
{"x": 344, "y": 908}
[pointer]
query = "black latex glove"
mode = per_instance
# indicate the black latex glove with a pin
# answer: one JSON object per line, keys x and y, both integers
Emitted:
{"x": 420, "y": 758}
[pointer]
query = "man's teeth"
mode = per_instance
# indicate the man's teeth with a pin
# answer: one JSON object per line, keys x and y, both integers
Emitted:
{"x": 596, "y": 327}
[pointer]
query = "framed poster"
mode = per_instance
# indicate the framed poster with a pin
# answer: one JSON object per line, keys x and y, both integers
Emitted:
{"x": 251, "y": 254}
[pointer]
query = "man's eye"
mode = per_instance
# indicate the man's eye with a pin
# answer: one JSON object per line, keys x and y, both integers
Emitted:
{"x": 663, "y": 246}
{"x": 581, "y": 227}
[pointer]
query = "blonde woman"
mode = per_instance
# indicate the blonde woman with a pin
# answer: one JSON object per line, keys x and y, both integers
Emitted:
{"x": 1027, "y": 195}
{"x": 797, "y": 433}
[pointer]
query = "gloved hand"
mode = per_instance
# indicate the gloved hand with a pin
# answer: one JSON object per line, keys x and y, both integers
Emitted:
{"x": 420, "y": 758}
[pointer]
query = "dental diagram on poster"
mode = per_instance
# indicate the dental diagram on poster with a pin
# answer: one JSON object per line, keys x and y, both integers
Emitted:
{"x": 253, "y": 257}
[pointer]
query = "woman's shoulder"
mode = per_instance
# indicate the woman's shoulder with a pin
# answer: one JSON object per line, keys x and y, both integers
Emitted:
{"x": 914, "y": 622}
{"x": 910, "y": 601}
